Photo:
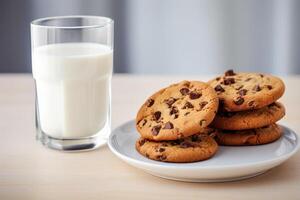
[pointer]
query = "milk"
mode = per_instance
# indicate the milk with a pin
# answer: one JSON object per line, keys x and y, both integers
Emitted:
{"x": 73, "y": 88}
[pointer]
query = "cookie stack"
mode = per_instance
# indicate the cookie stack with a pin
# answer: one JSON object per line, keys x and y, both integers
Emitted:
{"x": 248, "y": 109}
{"x": 173, "y": 123}
{"x": 185, "y": 121}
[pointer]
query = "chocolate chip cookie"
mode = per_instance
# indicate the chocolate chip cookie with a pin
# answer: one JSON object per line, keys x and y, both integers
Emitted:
{"x": 257, "y": 136}
{"x": 177, "y": 111}
{"x": 246, "y": 91}
{"x": 193, "y": 148}
{"x": 249, "y": 119}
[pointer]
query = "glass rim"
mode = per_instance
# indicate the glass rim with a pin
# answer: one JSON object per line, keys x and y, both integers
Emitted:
{"x": 38, "y": 22}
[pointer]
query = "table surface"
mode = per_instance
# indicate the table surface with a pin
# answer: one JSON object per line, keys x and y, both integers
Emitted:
{"x": 30, "y": 171}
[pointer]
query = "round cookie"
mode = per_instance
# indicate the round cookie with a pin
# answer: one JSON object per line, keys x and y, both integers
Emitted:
{"x": 191, "y": 149}
{"x": 257, "y": 136}
{"x": 177, "y": 111}
{"x": 249, "y": 119}
{"x": 246, "y": 91}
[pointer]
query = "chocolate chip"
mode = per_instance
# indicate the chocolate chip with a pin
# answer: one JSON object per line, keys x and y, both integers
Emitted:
{"x": 185, "y": 114}
{"x": 161, "y": 149}
{"x": 203, "y": 104}
{"x": 161, "y": 157}
{"x": 230, "y": 72}
{"x": 261, "y": 75}
{"x": 242, "y": 92}
{"x": 149, "y": 102}
{"x": 138, "y": 122}
{"x": 202, "y": 122}
{"x": 269, "y": 87}
{"x": 155, "y": 130}
{"x": 145, "y": 121}
{"x": 248, "y": 79}
{"x": 170, "y": 101}
{"x": 174, "y": 110}
{"x": 147, "y": 155}
{"x": 186, "y": 144}
{"x": 219, "y": 88}
{"x": 176, "y": 116}
{"x": 168, "y": 125}
{"x": 195, "y": 95}
{"x": 142, "y": 142}
{"x": 156, "y": 115}
{"x": 257, "y": 88}
{"x": 240, "y": 87}
{"x": 184, "y": 91}
{"x": 218, "y": 78}
{"x": 239, "y": 101}
{"x": 187, "y": 105}
{"x": 187, "y": 84}
{"x": 228, "y": 81}
{"x": 251, "y": 103}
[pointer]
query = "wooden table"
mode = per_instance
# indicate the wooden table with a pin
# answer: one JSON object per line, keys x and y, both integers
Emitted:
{"x": 30, "y": 171}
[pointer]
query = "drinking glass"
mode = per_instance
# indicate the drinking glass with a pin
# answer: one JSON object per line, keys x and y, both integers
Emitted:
{"x": 72, "y": 64}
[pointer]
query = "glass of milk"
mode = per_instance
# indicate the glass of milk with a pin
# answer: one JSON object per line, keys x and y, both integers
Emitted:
{"x": 72, "y": 63}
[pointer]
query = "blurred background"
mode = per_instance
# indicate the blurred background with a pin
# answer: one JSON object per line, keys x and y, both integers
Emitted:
{"x": 171, "y": 36}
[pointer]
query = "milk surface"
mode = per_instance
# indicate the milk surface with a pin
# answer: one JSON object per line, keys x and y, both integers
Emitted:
{"x": 73, "y": 88}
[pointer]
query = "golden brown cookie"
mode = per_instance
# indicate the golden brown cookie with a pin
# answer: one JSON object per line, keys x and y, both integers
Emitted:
{"x": 191, "y": 149}
{"x": 249, "y": 119}
{"x": 177, "y": 111}
{"x": 257, "y": 136}
{"x": 247, "y": 91}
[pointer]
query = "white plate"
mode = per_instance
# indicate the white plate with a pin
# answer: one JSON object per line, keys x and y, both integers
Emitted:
{"x": 229, "y": 163}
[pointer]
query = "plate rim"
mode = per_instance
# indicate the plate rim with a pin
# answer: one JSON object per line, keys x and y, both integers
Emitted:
{"x": 185, "y": 166}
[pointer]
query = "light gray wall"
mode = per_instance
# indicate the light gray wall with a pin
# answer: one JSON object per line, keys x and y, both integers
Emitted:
{"x": 199, "y": 36}
{"x": 171, "y": 36}
{"x": 16, "y": 15}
